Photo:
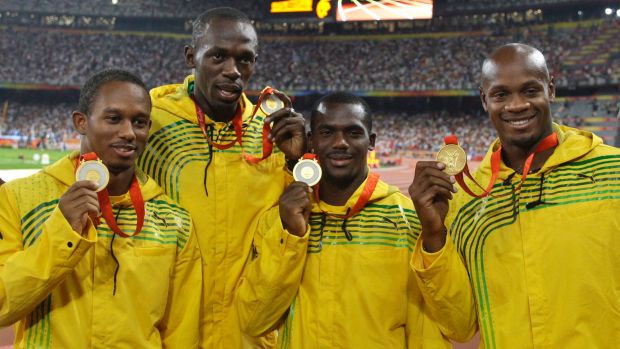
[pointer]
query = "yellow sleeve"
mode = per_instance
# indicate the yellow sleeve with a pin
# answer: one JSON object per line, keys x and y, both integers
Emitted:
{"x": 273, "y": 276}
{"x": 421, "y": 330}
{"x": 180, "y": 326}
{"x": 446, "y": 291}
{"x": 29, "y": 274}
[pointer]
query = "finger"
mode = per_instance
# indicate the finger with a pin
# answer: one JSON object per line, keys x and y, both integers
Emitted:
{"x": 432, "y": 195}
{"x": 288, "y": 131}
{"x": 287, "y": 101}
{"x": 444, "y": 182}
{"x": 279, "y": 115}
{"x": 86, "y": 184}
{"x": 424, "y": 165}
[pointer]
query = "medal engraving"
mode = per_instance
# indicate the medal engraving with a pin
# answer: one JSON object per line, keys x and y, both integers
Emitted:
{"x": 94, "y": 171}
{"x": 271, "y": 104}
{"x": 454, "y": 157}
{"x": 307, "y": 171}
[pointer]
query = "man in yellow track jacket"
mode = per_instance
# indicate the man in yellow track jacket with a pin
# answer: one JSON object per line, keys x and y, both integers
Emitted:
{"x": 202, "y": 164}
{"x": 543, "y": 248}
{"x": 335, "y": 273}
{"x": 69, "y": 283}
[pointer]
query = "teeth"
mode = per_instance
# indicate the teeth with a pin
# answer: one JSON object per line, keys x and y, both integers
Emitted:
{"x": 519, "y": 122}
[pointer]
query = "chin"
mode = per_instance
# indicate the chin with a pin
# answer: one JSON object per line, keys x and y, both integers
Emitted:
{"x": 116, "y": 168}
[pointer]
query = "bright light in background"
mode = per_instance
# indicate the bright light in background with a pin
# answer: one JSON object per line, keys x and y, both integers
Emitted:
{"x": 608, "y": 11}
{"x": 618, "y": 12}
{"x": 378, "y": 10}
{"x": 114, "y": 2}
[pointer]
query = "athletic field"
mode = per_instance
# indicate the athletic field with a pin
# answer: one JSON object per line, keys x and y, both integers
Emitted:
{"x": 21, "y": 159}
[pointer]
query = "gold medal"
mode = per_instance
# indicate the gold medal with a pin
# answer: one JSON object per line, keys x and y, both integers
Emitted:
{"x": 95, "y": 171}
{"x": 307, "y": 171}
{"x": 271, "y": 104}
{"x": 454, "y": 157}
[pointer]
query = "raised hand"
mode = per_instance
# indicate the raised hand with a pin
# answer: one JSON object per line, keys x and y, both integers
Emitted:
{"x": 79, "y": 203}
{"x": 288, "y": 131}
{"x": 295, "y": 208}
{"x": 430, "y": 192}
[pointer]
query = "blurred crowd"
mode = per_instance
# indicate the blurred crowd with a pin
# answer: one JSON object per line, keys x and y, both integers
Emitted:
{"x": 141, "y": 8}
{"x": 44, "y": 126}
{"x": 398, "y": 133}
{"x": 327, "y": 63}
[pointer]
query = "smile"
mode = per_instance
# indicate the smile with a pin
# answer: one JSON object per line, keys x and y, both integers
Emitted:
{"x": 520, "y": 122}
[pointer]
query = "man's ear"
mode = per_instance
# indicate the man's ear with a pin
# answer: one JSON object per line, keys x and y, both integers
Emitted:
{"x": 80, "y": 122}
{"x": 551, "y": 87}
{"x": 190, "y": 58}
{"x": 483, "y": 98}
{"x": 372, "y": 138}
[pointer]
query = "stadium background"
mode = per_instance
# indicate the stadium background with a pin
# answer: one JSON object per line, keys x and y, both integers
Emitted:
{"x": 419, "y": 72}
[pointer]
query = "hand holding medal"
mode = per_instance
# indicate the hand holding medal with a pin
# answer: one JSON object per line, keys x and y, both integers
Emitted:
{"x": 308, "y": 170}
{"x": 92, "y": 178}
{"x": 455, "y": 160}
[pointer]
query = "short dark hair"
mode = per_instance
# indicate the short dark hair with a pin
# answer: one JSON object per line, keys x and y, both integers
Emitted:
{"x": 91, "y": 87}
{"x": 226, "y": 13}
{"x": 343, "y": 98}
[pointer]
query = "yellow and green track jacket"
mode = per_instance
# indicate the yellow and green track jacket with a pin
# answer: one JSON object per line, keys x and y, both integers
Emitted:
{"x": 545, "y": 261}
{"x": 60, "y": 288}
{"x": 325, "y": 291}
{"x": 226, "y": 209}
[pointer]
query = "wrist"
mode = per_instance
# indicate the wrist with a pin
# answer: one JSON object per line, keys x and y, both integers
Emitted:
{"x": 433, "y": 242}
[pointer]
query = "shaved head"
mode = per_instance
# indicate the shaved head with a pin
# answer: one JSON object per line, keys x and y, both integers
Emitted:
{"x": 528, "y": 56}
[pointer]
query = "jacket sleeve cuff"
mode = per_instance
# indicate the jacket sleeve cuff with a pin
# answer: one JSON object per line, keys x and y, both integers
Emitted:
{"x": 72, "y": 246}
{"x": 290, "y": 242}
{"x": 429, "y": 265}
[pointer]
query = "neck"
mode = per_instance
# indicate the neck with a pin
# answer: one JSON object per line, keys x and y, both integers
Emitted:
{"x": 336, "y": 193}
{"x": 515, "y": 157}
{"x": 225, "y": 114}
{"x": 120, "y": 182}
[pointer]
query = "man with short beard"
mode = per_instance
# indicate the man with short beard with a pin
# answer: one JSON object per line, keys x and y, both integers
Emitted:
{"x": 335, "y": 272}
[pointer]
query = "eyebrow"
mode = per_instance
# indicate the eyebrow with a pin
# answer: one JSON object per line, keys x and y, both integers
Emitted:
{"x": 120, "y": 111}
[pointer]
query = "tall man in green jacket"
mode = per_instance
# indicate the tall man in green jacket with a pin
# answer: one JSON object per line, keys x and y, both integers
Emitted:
{"x": 203, "y": 150}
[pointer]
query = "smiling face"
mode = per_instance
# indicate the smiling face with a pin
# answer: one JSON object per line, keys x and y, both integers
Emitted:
{"x": 516, "y": 91}
{"x": 341, "y": 140}
{"x": 117, "y": 125}
{"x": 223, "y": 59}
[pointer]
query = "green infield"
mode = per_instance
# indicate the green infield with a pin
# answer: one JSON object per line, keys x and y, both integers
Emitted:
{"x": 17, "y": 159}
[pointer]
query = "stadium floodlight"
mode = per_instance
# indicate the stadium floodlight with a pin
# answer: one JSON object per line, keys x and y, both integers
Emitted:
{"x": 618, "y": 12}
{"x": 114, "y": 2}
{"x": 608, "y": 11}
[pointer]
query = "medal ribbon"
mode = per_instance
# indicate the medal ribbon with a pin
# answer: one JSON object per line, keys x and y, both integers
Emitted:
{"x": 369, "y": 188}
{"x": 496, "y": 158}
{"x": 238, "y": 127}
{"x": 310, "y": 156}
{"x": 106, "y": 206}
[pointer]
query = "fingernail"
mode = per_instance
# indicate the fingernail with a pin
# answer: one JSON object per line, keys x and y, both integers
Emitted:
{"x": 452, "y": 179}
{"x": 455, "y": 188}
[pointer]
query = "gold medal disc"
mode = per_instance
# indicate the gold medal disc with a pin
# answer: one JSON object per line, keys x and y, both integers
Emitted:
{"x": 307, "y": 171}
{"x": 94, "y": 171}
{"x": 271, "y": 104}
{"x": 454, "y": 157}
